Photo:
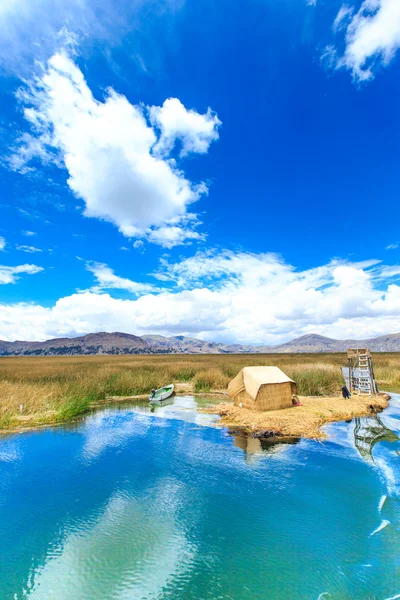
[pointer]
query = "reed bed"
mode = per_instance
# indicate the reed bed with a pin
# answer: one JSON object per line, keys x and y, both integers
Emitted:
{"x": 55, "y": 389}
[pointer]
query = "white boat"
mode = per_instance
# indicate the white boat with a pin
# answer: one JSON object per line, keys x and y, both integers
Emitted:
{"x": 162, "y": 393}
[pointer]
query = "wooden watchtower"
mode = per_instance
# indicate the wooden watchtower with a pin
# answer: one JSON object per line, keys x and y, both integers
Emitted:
{"x": 361, "y": 373}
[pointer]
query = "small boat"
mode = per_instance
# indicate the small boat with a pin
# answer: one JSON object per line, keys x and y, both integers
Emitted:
{"x": 162, "y": 393}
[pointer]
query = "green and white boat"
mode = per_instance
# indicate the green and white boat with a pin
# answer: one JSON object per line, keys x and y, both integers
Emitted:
{"x": 162, "y": 393}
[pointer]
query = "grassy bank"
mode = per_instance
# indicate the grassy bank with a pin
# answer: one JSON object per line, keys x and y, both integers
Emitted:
{"x": 55, "y": 389}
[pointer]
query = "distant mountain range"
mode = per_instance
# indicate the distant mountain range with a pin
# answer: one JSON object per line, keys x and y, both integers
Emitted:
{"x": 124, "y": 343}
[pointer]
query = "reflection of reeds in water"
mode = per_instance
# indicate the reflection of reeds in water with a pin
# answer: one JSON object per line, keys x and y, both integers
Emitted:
{"x": 53, "y": 389}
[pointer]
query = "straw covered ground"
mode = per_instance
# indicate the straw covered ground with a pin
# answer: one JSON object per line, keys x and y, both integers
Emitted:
{"x": 303, "y": 421}
{"x": 45, "y": 390}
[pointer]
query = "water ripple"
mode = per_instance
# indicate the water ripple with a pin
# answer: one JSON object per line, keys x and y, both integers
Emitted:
{"x": 121, "y": 508}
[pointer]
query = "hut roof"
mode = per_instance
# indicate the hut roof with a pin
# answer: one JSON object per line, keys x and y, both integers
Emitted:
{"x": 252, "y": 378}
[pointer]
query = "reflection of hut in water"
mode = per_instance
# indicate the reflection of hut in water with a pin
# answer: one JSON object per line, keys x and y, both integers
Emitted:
{"x": 262, "y": 388}
{"x": 249, "y": 445}
{"x": 254, "y": 447}
{"x": 368, "y": 431}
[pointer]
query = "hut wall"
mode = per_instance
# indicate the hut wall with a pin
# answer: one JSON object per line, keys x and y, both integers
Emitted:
{"x": 236, "y": 386}
{"x": 273, "y": 396}
{"x": 245, "y": 399}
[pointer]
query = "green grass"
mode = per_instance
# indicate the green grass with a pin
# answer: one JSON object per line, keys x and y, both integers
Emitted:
{"x": 210, "y": 379}
{"x": 318, "y": 381}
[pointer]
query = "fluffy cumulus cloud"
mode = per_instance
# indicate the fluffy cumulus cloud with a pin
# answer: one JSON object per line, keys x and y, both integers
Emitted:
{"x": 12, "y": 274}
{"x": 372, "y": 34}
{"x": 194, "y": 131}
{"x": 171, "y": 236}
{"x": 117, "y": 154}
{"x": 225, "y": 296}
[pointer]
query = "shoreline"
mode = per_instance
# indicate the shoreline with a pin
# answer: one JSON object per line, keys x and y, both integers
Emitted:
{"x": 109, "y": 401}
{"x": 36, "y": 393}
{"x": 286, "y": 425}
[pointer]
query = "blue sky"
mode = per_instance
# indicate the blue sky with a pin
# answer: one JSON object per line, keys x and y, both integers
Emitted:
{"x": 227, "y": 171}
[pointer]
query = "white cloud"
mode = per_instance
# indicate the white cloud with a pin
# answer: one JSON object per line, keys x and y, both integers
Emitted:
{"x": 172, "y": 235}
{"x": 249, "y": 298}
{"x": 392, "y": 246}
{"x": 107, "y": 148}
{"x": 386, "y": 273}
{"x": 342, "y": 17}
{"x": 206, "y": 267}
{"x": 11, "y": 274}
{"x": 194, "y": 131}
{"x": 31, "y": 30}
{"x": 371, "y": 35}
{"x": 2, "y": 243}
{"x": 28, "y": 233}
{"x": 29, "y": 249}
{"x": 106, "y": 280}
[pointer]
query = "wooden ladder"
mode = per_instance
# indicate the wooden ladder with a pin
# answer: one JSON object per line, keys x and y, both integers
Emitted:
{"x": 364, "y": 375}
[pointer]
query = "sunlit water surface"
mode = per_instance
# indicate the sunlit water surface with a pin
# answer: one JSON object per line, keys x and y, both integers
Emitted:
{"x": 129, "y": 504}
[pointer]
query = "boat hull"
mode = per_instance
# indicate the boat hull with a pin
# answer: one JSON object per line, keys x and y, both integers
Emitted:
{"x": 162, "y": 394}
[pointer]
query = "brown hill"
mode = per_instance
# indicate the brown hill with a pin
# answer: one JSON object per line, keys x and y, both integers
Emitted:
{"x": 125, "y": 343}
{"x": 318, "y": 343}
{"x": 93, "y": 343}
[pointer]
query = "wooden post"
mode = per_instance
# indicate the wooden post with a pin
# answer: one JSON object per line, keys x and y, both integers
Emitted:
{"x": 350, "y": 362}
{"x": 371, "y": 370}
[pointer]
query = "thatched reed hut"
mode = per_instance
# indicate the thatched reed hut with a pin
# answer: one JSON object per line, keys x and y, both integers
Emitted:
{"x": 262, "y": 388}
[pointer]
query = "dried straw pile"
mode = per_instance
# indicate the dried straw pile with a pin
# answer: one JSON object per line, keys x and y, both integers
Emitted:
{"x": 299, "y": 421}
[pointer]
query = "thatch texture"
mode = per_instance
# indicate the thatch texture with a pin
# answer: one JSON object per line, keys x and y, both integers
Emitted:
{"x": 262, "y": 388}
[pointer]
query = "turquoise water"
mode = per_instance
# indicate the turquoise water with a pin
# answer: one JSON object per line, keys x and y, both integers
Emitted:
{"x": 129, "y": 504}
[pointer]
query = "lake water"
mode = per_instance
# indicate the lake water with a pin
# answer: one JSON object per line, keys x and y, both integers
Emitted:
{"x": 129, "y": 504}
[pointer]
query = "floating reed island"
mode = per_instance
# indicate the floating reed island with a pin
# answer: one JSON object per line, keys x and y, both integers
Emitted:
{"x": 303, "y": 421}
{"x": 265, "y": 401}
